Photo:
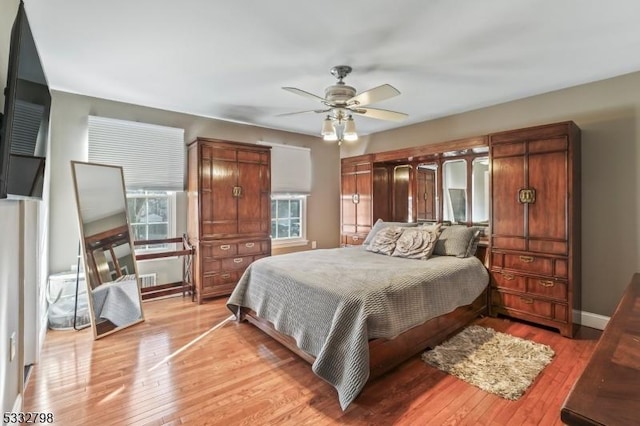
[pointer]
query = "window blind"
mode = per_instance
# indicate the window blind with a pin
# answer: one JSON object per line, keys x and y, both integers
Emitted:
{"x": 152, "y": 156}
{"x": 290, "y": 169}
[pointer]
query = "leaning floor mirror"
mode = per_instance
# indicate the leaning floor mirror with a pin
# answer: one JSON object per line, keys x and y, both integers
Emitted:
{"x": 109, "y": 259}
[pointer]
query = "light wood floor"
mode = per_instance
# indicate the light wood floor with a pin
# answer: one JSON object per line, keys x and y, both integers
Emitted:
{"x": 237, "y": 375}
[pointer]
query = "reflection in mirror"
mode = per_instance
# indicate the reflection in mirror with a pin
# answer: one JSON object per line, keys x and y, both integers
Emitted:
{"x": 110, "y": 267}
{"x": 427, "y": 192}
{"x": 454, "y": 182}
{"x": 480, "y": 191}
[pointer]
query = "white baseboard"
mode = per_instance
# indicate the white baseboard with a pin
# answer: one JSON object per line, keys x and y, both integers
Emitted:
{"x": 588, "y": 319}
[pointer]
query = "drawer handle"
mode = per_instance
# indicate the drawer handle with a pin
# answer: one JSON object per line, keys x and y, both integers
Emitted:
{"x": 526, "y": 259}
{"x": 225, "y": 276}
{"x": 238, "y": 260}
{"x": 508, "y": 277}
{"x": 526, "y": 300}
{"x": 225, "y": 247}
{"x": 547, "y": 283}
{"x": 249, "y": 245}
{"x": 355, "y": 238}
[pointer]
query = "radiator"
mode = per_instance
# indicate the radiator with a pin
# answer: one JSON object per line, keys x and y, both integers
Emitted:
{"x": 148, "y": 280}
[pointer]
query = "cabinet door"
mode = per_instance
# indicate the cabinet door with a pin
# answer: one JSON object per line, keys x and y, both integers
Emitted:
{"x": 508, "y": 224}
{"x": 253, "y": 201}
{"x": 363, "y": 206}
{"x": 348, "y": 207}
{"x": 219, "y": 213}
{"x": 548, "y": 215}
{"x": 426, "y": 194}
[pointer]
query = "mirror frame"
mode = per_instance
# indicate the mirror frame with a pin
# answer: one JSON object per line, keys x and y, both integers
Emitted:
{"x": 85, "y": 250}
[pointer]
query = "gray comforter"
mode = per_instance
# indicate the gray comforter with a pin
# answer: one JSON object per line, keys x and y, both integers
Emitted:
{"x": 333, "y": 301}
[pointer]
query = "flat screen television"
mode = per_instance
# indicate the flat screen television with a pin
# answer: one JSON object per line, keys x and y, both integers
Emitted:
{"x": 25, "y": 121}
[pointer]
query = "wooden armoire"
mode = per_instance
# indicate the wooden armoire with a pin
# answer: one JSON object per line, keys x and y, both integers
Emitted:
{"x": 535, "y": 224}
{"x": 229, "y": 218}
{"x": 356, "y": 193}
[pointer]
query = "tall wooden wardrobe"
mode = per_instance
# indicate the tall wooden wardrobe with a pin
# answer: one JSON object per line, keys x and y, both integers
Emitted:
{"x": 356, "y": 193}
{"x": 535, "y": 224}
{"x": 229, "y": 218}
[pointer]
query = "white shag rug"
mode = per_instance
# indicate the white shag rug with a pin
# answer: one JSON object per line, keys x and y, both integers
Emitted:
{"x": 495, "y": 362}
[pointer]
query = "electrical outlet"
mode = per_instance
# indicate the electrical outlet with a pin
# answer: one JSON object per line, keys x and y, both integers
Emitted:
{"x": 314, "y": 244}
{"x": 12, "y": 346}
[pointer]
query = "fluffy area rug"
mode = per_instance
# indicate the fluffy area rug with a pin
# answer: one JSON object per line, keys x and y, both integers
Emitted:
{"x": 495, "y": 362}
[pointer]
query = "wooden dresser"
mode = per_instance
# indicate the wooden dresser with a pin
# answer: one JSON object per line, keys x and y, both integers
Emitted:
{"x": 608, "y": 391}
{"x": 229, "y": 220}
{"x": 535, "y": 224}
{"x": 355, "y": 196}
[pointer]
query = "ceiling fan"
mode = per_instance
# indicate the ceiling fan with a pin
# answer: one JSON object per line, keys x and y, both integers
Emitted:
{"x": 341, "y": 101}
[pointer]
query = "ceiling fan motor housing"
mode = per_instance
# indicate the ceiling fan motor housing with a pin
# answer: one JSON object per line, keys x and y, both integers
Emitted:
{"x": 339, "y": 94}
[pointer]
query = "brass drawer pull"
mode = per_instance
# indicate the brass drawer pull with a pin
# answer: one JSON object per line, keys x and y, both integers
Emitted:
{"x": 526, "y": 259}
{"x": 225, "y": 247}
{"x": 249, "y": 245}
{"x": 547, "y": 283}
{"x": 508, "y": 277}
{"x": 526, "y": 300}
{"x": 225, "y": 276}
{"x": 238, "y": 260}
{"x": 355, "y": 238}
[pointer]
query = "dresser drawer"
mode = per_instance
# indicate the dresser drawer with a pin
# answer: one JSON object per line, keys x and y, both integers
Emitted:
{"x": 239, "y": 263}
{"x": 354, "y": 239}
{"x": 529, "y": 263}
{"x": 522, "y": 303}
{"x": 253, "y": 247}
{"x": 539, "y": 287}
{"x": 211, "y": 282}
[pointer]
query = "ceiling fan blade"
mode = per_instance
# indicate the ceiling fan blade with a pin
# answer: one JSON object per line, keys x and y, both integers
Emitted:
{"x": 304, "y": 93}
{"x": 381, "y": 114}
{"x": 374, "y": 95}
{"x": 303, "y": 112}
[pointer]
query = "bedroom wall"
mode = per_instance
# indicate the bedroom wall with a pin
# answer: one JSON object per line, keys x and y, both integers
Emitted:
{"x": 608, "y": 112}
{"x": 69, "y": 141}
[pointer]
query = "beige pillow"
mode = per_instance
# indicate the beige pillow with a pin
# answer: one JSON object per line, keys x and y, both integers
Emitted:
{"x": 384, "y": 241}
{"x": 416, "y": 243}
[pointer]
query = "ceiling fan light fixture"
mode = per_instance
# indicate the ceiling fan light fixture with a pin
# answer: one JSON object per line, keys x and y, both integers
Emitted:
{"x": 350, "y": 134}
{"x": 327, "y": 128}
{"x": 330, "y": 138}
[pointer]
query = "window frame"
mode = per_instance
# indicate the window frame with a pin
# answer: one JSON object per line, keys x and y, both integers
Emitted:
{"x": 292, "y": 241}
{"x": 171, "y": 217}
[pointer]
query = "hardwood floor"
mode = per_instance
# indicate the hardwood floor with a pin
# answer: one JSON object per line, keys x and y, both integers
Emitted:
{"x": 237, "y": 375}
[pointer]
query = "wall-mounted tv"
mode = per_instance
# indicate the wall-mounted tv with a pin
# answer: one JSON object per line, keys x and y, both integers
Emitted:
{"x": 25, "y": 122}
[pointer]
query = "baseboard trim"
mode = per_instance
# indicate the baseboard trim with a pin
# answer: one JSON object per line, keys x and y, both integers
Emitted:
{"x": 591, "y": 320}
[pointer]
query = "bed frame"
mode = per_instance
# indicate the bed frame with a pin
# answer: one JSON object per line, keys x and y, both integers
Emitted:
{"x": 386, "y": 354}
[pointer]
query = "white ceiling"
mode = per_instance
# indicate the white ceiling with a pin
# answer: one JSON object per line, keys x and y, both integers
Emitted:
{"x": 229, "y": 59}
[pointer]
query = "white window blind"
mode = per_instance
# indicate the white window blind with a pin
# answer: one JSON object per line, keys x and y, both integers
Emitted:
{"x": 290, "y": 169}
{"x": 152, "y": 156}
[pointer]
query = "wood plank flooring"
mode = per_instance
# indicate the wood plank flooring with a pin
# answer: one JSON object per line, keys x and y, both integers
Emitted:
{"x": 237, "y": 375}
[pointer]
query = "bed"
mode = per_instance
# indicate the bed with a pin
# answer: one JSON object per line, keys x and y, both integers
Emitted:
{"x": 117, "y": 301}
{"x": 355, "y": 314}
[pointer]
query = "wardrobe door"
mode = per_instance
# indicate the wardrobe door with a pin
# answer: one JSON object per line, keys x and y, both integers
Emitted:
{"x": 219, "y": 212}
{"x": 252, "y": 168}
{"x": 364, "y": 186}
{"x": 348, "y": 206}
{"x": 426, "y": 194}
{"x": 508, "y": 224}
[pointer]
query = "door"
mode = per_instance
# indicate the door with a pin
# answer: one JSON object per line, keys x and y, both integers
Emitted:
{"x": 253, "y": 199}
{"x": 426, "y": 194}
{"x": 219, "y": 209}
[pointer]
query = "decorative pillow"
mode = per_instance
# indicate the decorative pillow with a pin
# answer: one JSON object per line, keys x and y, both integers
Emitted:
{"x": 457, "y": 240}
{"x": 416, "y": 243}
{"x": 433, "y": 227}
{"x": 384, "y": 241}
{"x": 380, "y": 224}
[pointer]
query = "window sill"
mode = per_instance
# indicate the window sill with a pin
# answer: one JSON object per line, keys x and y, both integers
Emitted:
{"x": 289, "y": 243}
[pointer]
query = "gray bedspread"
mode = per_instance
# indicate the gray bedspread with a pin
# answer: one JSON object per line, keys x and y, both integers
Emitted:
{"x": 333, "y": 301}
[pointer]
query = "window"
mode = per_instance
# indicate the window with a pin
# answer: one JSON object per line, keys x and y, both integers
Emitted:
{"x": 151, "y": 216}
{"x": 288, "y": 219}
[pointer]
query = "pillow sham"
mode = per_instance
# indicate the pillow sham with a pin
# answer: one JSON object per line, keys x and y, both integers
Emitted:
{"x": 416, "y": 243}
{"x": 384, "y": 242}
{"x": 380, "y": 224}
{"x": 457, "y": 240}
